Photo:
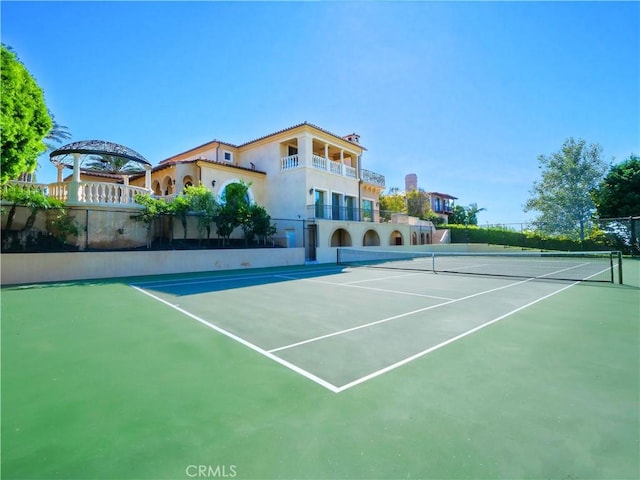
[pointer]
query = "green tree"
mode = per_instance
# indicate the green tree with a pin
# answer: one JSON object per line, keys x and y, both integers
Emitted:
{"x": 24, "y": 119}
{"x": 618, "y": 194}
{"x": 112, "y": 164}
{"x": 458, "y": 215}
{"x": 393, "y": 202}
{"x": 562, "y": 195}
{"x": 418, "y": 203}
{"x": 180, "y": 207}
{"x": 258, "y": 223}
{"x": 235, "y": 209}
{"x": 153, "y": 209}
{"x": 56, "y": 135}
{"x": 205, "y": 206}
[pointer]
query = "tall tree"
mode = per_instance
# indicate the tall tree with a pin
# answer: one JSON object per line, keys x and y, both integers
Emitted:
{"x": 561, "y": 197}
{"x": 24, "y": 119}
{"x": 57, "y": 134}
{"x": 113, "y": 164}
{"x": 618, "y": 195}
{"x": 418, "y": 203}
{"x": 394, "y": 202}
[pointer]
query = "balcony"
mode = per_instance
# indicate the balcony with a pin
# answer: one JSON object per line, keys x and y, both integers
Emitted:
{"x": 89, "y": 193}
{"x": 292, "y": 162}
{"x": 373, "y": 178}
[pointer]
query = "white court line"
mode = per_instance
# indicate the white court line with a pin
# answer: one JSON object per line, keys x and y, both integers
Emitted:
{"x": 244, "y": 342}
{"x": 326, "y": 384}
{"x": 395, "y": 317}
{"x": 399, "y": 292}
{"x": 456, "y": 338}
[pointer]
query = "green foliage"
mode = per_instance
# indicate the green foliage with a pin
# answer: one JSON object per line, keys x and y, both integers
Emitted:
{"x": 562, "y": 195}
{"x": 465, "y": 215}
{"x": 526, "y": 238}
{"x": 153, "y": 209}
{"x": 34, "y": 200}
{"x": 24, "y": 119}
{"x": 394, "y": 202}
{"x": 618, "y": 195}
{"x": 112, "y": 164}
{"x": 62, "y": 225}
{"x": 434, "y": 218}
{"x": 258, "y": 224}
{"x": 205, "y": 206}
{"x": 418, "y": 203}
{"x": 459, "y": 215}
{"x": 235, "y": 209}
{"x": 180, "y": 207}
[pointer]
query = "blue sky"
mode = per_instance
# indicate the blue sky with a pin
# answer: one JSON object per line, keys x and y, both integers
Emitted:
{"x": 465, "y": 95}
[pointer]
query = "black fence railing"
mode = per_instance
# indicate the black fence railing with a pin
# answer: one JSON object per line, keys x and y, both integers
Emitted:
{"x": 337, "y": 212}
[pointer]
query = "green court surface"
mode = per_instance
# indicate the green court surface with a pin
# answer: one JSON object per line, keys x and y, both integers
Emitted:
{"x": 322, "y": 372}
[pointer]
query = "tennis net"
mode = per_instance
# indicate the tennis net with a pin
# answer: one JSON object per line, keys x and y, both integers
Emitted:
{"x": 570, "y": 266}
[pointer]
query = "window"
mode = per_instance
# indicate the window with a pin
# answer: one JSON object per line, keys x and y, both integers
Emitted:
{"x": 227, "y": 156}
{"x": 367, "y": 210}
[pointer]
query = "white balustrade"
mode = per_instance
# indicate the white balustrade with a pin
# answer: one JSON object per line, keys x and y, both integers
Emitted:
{"x": 287, "y": 163}
{"x": 319, "y": 162}
{"x": 349, "y": 172}
{"x": 99, "y": 193}
{"x": 335, "y": 167}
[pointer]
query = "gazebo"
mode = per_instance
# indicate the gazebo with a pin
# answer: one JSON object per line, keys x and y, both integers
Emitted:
{"x": 106, "y": 158}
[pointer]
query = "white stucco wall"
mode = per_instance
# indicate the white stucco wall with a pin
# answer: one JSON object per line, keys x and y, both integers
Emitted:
{"x": 16, "y": 268}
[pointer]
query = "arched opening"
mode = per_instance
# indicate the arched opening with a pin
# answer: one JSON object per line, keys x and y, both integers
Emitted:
{"x": 396, "y": 238}
{"x": 371, "y": 239}
{"x": 250, "y": 197}
{"x": 414, "y": 238}
{"x": 187, "y": 181}
{"x": 422, "y": 241}
{"x": 341, "y": 238}
{"x": 167, "y": 186}
{"x": 155, "y": 186}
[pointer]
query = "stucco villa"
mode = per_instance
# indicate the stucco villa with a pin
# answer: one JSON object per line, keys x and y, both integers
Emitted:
{"x": 302, "y": 172}
{"x": 305, "y": 174}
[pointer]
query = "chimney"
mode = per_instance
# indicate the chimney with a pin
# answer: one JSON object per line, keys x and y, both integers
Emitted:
{"x": 353, "y": 137}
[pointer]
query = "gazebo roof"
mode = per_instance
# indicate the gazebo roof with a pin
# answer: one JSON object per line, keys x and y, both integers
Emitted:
{"x": 97, "y": 148}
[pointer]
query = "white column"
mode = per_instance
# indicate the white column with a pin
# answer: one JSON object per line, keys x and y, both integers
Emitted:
{"x": 60, "y": 168}
{"x": 326, "y": 151}
{"x": 305, "y": 149}
{"x": 74, "y": 186}
{"x": 147, "y": 177}
{"x": 76, "y": 167}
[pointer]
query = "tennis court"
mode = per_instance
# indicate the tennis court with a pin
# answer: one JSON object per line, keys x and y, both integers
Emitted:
{"x": 329, "y": 371}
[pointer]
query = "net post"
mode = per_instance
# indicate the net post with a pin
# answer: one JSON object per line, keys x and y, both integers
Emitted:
{"x": 433, "y": 262}
{"x": 619, "y": 267}
{"x": 338, "y": 256}
{"x": 611, "y": 265}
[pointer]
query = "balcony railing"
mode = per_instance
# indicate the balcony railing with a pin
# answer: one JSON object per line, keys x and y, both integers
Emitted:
{"x": 90, "y": 193}
{"x": 290, "y": 162}
{"x": 373, "y": 178}
{"x": 337, "y": 212}
{"x": 336, "y": 168}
